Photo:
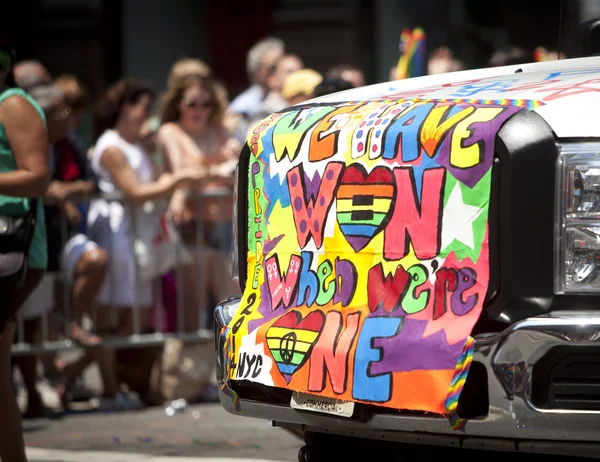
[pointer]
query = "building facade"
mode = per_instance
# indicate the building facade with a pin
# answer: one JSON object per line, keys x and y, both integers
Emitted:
{"x": 102, "y": 40}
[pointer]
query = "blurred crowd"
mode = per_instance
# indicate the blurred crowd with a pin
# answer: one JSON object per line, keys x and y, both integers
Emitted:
{"x": 178, "y": 149}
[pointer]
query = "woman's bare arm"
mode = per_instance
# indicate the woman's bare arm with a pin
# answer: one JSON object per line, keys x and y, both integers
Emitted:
{"x": 171, "y": 149}
{"x": 114, "y": 161}
{"x": 63, "y": 190}
{"x": 226, "y": 159}
{"x": 28, "y": 140}
{"x": 170, "y": 146}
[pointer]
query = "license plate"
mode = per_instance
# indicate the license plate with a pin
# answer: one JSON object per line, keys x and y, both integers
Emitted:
{"x": 313, "y": 403}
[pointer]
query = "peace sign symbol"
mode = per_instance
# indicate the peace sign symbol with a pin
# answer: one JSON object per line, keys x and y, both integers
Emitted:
{"x": 287, "y": 347}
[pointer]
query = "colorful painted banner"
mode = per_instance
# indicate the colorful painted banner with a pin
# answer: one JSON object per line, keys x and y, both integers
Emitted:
{"x": 368, "y": 250}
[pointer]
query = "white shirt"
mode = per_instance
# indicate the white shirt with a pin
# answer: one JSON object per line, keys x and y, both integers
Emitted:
{"x": 135, "y": 155}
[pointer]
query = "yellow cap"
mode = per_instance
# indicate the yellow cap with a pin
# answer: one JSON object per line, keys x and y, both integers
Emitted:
{"x": 302, "y": 82}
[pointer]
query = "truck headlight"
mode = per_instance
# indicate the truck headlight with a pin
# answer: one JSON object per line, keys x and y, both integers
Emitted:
{"x": 235, "y": 267}
{"x": 577, "y": 234}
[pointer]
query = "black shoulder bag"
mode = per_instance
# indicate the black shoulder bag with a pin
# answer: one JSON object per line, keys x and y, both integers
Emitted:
{"x": 16, "y": 233}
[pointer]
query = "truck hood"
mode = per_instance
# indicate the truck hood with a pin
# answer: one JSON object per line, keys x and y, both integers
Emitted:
{"x": 565, "y": 93}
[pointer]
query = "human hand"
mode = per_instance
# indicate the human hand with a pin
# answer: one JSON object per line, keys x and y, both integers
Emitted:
{"x": 190, "y": 175}
{"x": 232, "y": 121}
{"x": 224, "y": 169}
{"x": 197, "y": 162}
{"x": 166, "y": 180}
{"x": 80, "y": 188}
{"x": 58, "y": 191}
{"x": 232, "y": 149}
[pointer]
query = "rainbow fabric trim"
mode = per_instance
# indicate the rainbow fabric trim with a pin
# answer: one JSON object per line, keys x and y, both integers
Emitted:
{"x": 529, "y": 104}
{"x": 235, "y": 399}
{"x": 458, "y": 382}
{"x": 524, "y": 103}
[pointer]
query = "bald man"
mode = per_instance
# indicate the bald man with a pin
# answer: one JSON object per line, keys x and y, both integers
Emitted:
{"x": 30, "y": 74}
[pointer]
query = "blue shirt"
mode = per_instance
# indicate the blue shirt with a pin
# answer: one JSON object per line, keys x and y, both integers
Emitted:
{"x": 248, "y": 102}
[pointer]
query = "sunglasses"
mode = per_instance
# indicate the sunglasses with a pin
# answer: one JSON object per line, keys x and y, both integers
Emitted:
{"x": 61, "y": 114}
{"x": 193, "y": 103}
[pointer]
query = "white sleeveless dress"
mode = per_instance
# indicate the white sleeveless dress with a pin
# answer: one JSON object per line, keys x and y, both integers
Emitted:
{"x": 111, "y": 223}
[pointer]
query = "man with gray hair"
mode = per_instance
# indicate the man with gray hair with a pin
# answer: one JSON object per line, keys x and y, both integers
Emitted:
{"x": 260, "y": 61}
{"x": 30, "y": 74}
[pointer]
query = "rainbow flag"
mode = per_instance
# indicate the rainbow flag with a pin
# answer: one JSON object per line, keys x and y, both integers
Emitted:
{"x": 412, "y": 54}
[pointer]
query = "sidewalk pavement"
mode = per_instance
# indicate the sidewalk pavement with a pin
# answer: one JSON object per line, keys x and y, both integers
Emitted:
{"x": 50, "y": 455}
{"x": 203, "y": 430}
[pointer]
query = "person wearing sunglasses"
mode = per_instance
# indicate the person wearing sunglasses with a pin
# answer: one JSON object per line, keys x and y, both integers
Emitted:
{"x": 193, "y": 133}
{"x": 24, "y": 175}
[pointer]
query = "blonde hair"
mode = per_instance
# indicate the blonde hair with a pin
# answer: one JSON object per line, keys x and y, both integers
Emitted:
{"x": 186, "y": 67}
{"x": 302, "y": 82}
{"x": 169, "y": 108}
{"x": 75, "y": 95}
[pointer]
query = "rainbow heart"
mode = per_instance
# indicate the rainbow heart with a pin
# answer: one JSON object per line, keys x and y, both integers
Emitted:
{"x": 291, "y": 339}
{"x": 364, "y": 202}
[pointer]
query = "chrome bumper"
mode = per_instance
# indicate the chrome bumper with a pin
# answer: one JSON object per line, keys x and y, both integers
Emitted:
{"x": 509, "y": 358}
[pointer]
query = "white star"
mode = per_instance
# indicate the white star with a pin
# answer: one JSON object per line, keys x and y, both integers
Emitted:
{"x": 458, "y": 218}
